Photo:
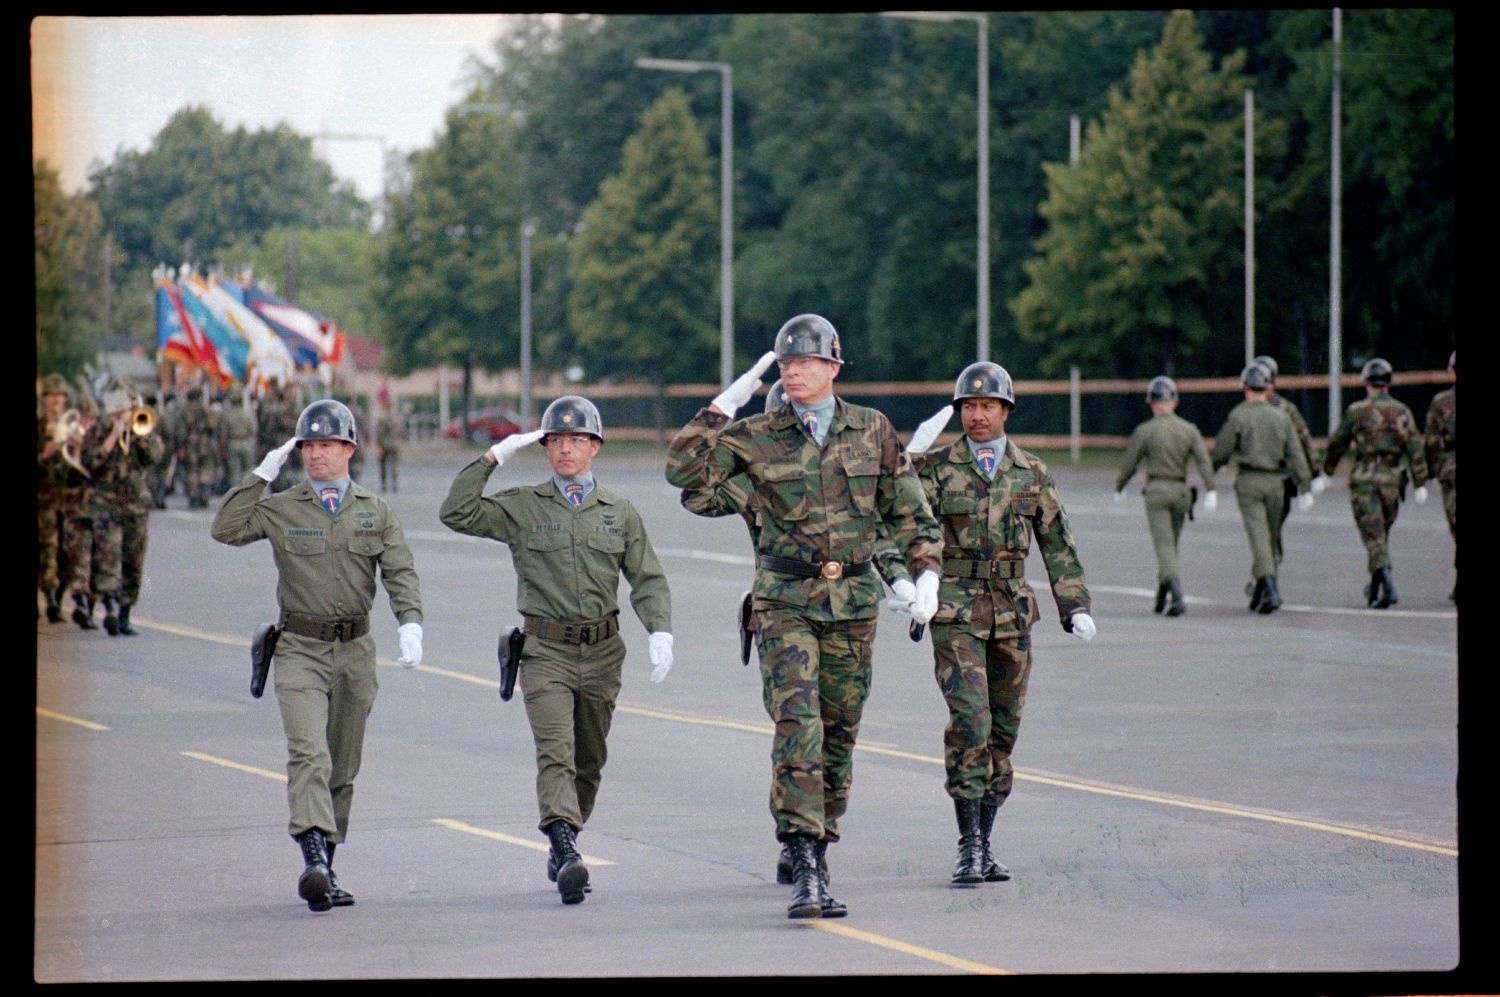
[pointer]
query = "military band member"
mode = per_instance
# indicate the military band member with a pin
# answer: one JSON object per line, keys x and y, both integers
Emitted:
{"x": 120, "y": 505}
{"x": 330, "y": 538}
{"x": 1441, "y": 441}
{"x": 1167, "y": 444}
{"x": 52, "y": 467}
{"x": 570, "y": 540}
{"x": 78, "y": 515}
{"x": 991, "y": 498}
{"x": 827, "y": 477}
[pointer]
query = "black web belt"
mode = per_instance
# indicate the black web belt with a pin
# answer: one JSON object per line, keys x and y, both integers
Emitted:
{"x": 963, "y": 567}
{"x": 831, "y": 570}
{"x": 589, "y": 632}
{"x": 326, "y": 628}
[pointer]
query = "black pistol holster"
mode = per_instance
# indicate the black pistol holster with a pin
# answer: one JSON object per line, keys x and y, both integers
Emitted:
{"x": 509, "y": 653}
{"x": 262, "y": 647}
{"x": 1192, "y": 500}
{"x": 747, "y": 632}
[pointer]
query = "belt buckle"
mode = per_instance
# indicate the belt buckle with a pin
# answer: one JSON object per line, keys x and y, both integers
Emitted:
{"x": 832, "y": 570}
{"x": 338, "y": 631}
{"x": 567, "y": 631}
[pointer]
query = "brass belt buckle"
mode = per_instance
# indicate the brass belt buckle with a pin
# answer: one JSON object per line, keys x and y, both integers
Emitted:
{"x": 832, "y": 570}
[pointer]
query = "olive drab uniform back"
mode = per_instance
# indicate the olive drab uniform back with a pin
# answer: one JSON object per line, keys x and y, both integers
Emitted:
{"x": 1262, "y": 443}
{"x": 1167, "y": 445}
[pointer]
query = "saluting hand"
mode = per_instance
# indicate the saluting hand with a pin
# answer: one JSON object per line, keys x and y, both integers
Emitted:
{"x": 927, "y": 432}
{"x": 731, "y": 398}
{"x": 503, "y": 450}
{"x": 271, "y": 466}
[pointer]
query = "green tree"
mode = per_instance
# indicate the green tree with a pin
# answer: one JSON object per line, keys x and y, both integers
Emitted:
{"x": 66, "y": 231}
{"x": 1138, "y": 269}
{"x": 331, "y": 271}
{"x": 643, "y": 268}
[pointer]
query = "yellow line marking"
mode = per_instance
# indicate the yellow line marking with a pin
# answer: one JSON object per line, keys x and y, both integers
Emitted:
{"x": 226, "y": 763}
{"x": 931, "y": 955}
{"x": 43, "y": 712}
{"x": 700, "y": 721}
{"x": 458, "y": 825}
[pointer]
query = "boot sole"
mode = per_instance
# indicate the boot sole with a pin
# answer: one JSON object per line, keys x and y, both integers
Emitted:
{"x": 805, "y": 912}
{"x": 573, "y": 882}
{"x": 314, "y": 887}
{"x": 973, "y": 880}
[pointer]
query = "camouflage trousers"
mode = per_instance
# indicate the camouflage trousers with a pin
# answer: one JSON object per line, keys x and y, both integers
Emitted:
{"x": 50, "y": 527}
{"x": 1450, "y": 509}
{"x": 1375, "y": 505}
{"x": 79, "y": 552}
{"x": 111, "y": 558}
{"x": 815, "y": 678}
{"x": 1260, "y": 495}
{"x": 1167, "y": 505}
{"x": 984, "y": 682}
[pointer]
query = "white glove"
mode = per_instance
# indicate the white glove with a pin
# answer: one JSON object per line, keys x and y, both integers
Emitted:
{"x": 1119, "y": 496}
{"x": 271, "y": 466}
{"x": 902, "y": 598}
{"x": 928, "y": 431}
{"x": 1083, "y": 626}
{"x": 731, "y": 398}
{"x": 503, "y": 450}
{"x": 1421, "y": 494}
{"x": 1211, "y": 501}
{"x": 925, "y": 606}
{"x": 1304, "y": 502}
{"x": 1320, "y": 484}
{"x": 660, "y": 650}
{"x": 409, "y": 636}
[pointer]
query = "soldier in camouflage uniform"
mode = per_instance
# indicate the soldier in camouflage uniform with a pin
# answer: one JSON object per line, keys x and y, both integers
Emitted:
{"x": 276, "y": 419}
{"x": 200, "y": 450}
{"x": 1262, "y": 442}
{"x": 1442, "y": 455}
{"x": 991, "y": 498}
{"x": 570, "y": 541}
{"x": 1304, "y": 440}
{"x": 51, "y": 479}
{"x": 1386, "y": 446}
{"x": 1166, "y": 443}
{"x": 78, "y": 517}
{"x": 825, "y": 475}
{"x": 120, "y": 505}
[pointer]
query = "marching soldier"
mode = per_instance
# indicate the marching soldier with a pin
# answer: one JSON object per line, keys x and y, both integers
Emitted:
{"x": 991, "y": 498}
{"x": 1442, "y": 455}
{"x": 1167, "y": 443}
{"x": 1386, "y": 446}
{"x": 570, "y": 540}
{"x": 237, "y": 432}
{"x": 827, "y": 476}
{"x": 120, "y": 504}
{"x": 330, "y": 537}
{"x": 52, "y": 467}
{"x": 1304, "y": 440}
{"x": 79, "y": 549}
{"x": 1262, "y": 442}
{"x": 200, "y": 454}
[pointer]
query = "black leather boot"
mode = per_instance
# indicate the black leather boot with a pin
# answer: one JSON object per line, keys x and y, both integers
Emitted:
{"x": 111, "y": 621}
{"x": 572, "y": 874}
{"x": 314, "y": 885}
{"x": 1161, "y": 597}
{"x": 1372, "y": 590}
{"x": 125, "y": 627}
{"x": 1387, "y": 589}
{"x": 784, "y": 866}
{"x": 807, "y": 885}
{"x": 1176, "y": 606}
{"x": 83, "y": 611}
{"x": 54, "y": 605}
{"x": 1270, "y": 600}
{"x": 553, "y": 863}
{"x": 831, "y": 907}
{"x": 994, "y": 872}
{"x": 969, "y": 869}
{"x": 1256, "y": 592}
{"x": 340, "y": 896}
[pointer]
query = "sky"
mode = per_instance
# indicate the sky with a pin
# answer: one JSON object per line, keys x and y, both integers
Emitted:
{"x": 105, "y": 84}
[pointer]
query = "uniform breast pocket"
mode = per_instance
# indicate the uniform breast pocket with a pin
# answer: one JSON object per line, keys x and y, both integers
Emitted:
{"x": 305, "y": 545}
{"x": 544, "y": 542}
{"x": 957, "y": 513}
{"x": 368, "y": 546}
{"x": 784, "y": 490}
{"x": 612, "y": 547}
{"x": 864, "y": 478}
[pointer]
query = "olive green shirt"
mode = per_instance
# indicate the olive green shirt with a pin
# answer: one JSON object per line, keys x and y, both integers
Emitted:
{"x": 326, "y": 565}
{"x": 568, "y": 560}
{"x": 1166, "y": 443}
{"x": 1258, "y": 436}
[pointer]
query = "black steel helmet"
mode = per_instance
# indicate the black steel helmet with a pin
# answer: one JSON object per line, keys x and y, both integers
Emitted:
{"x": 1161, "y": 389}
{"x": 1256, "y": 377}
{"x": 573, "y": 414}
{"x": 984, "y": 380}
{"x": 1269, "y": 363}
{"x": 326, "y": 419}
{"x": 1376, "y": 371}
{"x": 808, "y": 336}
{"x": 776, "y": 396}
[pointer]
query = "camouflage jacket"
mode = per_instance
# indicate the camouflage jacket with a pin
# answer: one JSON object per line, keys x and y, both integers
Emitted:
{"x": 1442, "y": 437}
{"x": 117, "y": 475}
{"x": 838, "y": 502}
{"x": 1382, "y": 438}
{"x": 992, "y": 523}
{"x": 1299, "y": 426}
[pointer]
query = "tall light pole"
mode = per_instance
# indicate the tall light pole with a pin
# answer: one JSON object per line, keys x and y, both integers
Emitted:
{"x": 1335, "y": 238}
{"x": 1249, "y": 226}
{"x": 983, "y": 113}
{"x": 726, "y": 199}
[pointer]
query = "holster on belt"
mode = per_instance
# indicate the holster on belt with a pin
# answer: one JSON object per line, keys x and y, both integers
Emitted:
{"x": 262, "y": 648}
{"x": 746, "y": 633}
{"x": 510, "y": 660}
{"x": 1192, "y": 500}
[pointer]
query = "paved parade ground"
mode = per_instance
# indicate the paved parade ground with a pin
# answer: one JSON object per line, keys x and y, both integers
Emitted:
{"x": 1223, "y": 792}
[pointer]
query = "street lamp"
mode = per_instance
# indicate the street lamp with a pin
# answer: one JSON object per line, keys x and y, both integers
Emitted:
{"x": 726, "y": 199}
{"x": 983, "y": 112}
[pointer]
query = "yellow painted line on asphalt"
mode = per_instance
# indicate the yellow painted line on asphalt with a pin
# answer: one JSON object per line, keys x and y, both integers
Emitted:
{"x": 50, "y": 715}
{"x": 1288, "y": 607}
{"x": 509, "y": 839}
{"x": 931, "y": 955}
{"x": 237, "y": 766}
{"x": 683, "y": 718}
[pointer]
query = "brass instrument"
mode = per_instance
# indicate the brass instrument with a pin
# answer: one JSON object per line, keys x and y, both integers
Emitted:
{"x": 142, "y": 420}
{"x": 66, "y": 431}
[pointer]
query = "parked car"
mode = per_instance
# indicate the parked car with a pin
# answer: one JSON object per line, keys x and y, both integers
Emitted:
{"x": 486, "y": 425}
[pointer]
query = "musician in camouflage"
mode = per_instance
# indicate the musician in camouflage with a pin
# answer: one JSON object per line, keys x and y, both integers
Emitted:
{"x": 120, "y": 506}
{"x": 51, "y": 478}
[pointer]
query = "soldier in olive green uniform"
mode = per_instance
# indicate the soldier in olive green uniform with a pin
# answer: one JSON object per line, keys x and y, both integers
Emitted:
{"x": 1304, "y": 440}
{"x": 237, "y": 435}
{"x": 1442, "y": 454}
{"x": 1262, "y": 442}
{"x": 51, "y": 479}
{"x": 330, "y": 537}
{"x": 825, "y": 475}
{"x": 991, "y": 498}
{"x": 120, "y": 505}
{"x": 570, "y": 541}
{"x": 1167, "y": 443}
{"x": 1387, "y": 448}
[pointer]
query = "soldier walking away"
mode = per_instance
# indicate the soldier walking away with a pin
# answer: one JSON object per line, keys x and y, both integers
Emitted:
{"x": 1167, "y": 443}
{"x": 1442, "y": 456}
{"x": 570, "y": 540}
{"x": 1304, "y": 440}
{"x": 1262, "y": 442}
{"x": 827, "y": 477}
{"x": 991, "y": 498}
{"x": 330, "y": 537}
{"x": 1386, "y": 447}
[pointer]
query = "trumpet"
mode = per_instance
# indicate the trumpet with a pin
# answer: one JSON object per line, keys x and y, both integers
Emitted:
{"x": 66, "y": 431}
{"x": 142, "y": 421}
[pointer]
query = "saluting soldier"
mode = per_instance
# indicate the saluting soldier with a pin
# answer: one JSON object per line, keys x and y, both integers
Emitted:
{"x": 827, "y": 477}
{"x": 991, "y": 498}
{"x": 1262, "y": 442}
{"x": 1442, "y": 455}
{"x": 570, "y": 540}
{"x": 1167, "y": 443}
{"x": 1382, "y": 438}
{"x": 330, "y": 536}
